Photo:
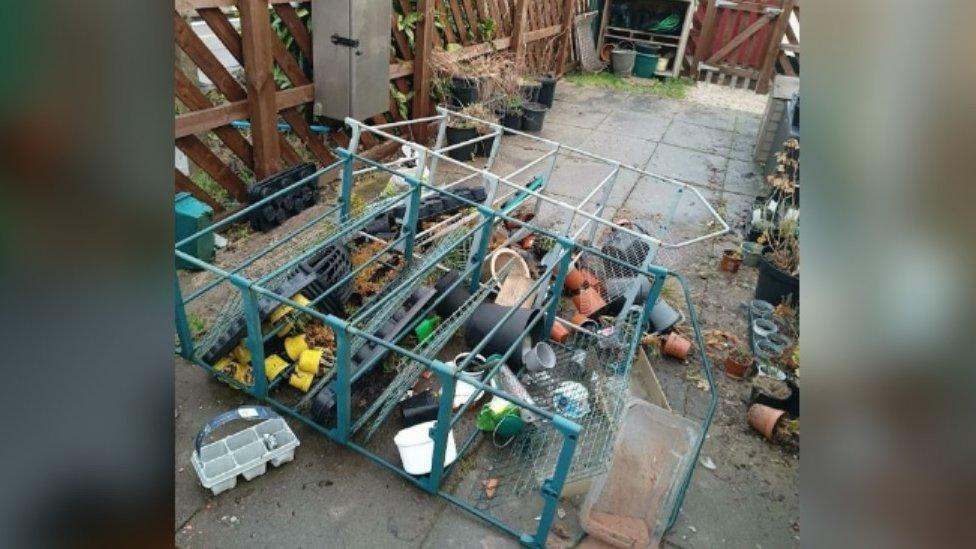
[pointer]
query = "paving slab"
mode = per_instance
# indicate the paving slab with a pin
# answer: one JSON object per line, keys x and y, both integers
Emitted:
{"x": 699, "y": 138}
{"x": 650, "y": 126}
{"x": 710, "y": 117}
{"x": 631, "y": 151}
{"x": 743, "y": 146}
{"x": 747, "y": 123}
{"x": 743, "y": 178}
{"x": 688, "y": 165}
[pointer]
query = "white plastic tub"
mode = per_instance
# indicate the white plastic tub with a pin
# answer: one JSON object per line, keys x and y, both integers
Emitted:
{"x": 417, "y": 448}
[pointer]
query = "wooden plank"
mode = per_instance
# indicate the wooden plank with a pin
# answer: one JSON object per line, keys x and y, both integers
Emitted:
{"x": 471, "y": 13}
{"x": 206, "y": 61}
{"x": 298, "y": 124}
{"x": 257, "y": 37}
{"x": 183, "y": 7}
{"x": 565, "y": 28}
{"x": 195, "y": 100}
{"x": 707, "y": 36}
{"x": 449, "y": 35}
{"x": 184, "y": 184}
{"x": 519, "y": 29}
{"x": 203, "y": 157}
{"x": 421, "y": 66}
{"x": 458, "y": 17}
{"x": 223, "y": 30}
{"x": 295, "y": 26}
{"x": 776, "y": 37}
{"x": 401, "y": 40}
{"x": 735, "y": 42}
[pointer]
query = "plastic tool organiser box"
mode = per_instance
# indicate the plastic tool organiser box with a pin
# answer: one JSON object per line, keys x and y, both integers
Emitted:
{"x": 247, "y": 452}
{"x": 560, "y": 444}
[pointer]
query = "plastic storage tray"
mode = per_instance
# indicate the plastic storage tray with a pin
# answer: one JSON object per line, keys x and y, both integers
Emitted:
{"x": 246, "y": 453}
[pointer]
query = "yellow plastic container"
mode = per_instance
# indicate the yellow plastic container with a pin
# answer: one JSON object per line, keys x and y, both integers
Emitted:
{"x": 226, "y": 365}
{"x": 309, "y": 361}
{"x": 243, "y": 374}
{"x": 242, "y": 353}
{"x": 295, "y": 345}
{"x": 301, "y": 381}
{"x": 274, "y": 365}
{"x": 283, "y": 310}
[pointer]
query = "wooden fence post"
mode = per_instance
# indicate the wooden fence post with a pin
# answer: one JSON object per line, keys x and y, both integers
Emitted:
{"x": 703, "y": 46}
{"x": 259, "y": 76}
{"x": 518, "y": 30}
{"x": 569, "y": 6}
{"x": 424, "y": 44}
{"x": 772, "y": 50}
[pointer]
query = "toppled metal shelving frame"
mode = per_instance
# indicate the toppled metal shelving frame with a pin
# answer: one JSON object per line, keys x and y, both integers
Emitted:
{"x": 460, "y": 242}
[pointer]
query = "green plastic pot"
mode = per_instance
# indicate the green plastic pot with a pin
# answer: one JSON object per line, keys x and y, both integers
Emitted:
{"x": 645, "y": 64}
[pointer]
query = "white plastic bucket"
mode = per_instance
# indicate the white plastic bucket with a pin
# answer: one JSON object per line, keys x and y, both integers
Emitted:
{"x": 417, "y": 448}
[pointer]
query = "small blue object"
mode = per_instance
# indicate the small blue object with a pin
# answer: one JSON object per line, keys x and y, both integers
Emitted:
{"x": 191, "y": 217}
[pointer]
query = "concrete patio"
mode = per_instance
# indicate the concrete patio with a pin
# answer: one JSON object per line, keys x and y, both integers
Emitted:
{"x": 333, "y": 497}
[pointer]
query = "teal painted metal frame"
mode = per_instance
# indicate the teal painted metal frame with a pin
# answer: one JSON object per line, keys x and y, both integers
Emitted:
{"x": 344, "y": 330}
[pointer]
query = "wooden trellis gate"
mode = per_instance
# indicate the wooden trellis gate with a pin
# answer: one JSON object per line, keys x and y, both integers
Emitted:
{"x": 741, "y": 43}
{"x": 273, "y": 47}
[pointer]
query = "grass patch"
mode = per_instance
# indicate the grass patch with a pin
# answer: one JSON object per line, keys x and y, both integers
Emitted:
{"x": 211, "y": 187}
{"x": 674, "y": 88}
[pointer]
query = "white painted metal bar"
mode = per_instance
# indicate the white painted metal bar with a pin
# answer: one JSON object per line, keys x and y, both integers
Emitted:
{"x": 522, "y": 188}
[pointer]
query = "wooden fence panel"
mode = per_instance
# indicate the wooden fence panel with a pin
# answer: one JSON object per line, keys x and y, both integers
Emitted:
{"x": 275, "y": 85}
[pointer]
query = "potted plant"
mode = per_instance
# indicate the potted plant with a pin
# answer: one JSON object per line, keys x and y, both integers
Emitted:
{"x": 533, "y": 115}
{"x": 459, "y": 130}
{"x": 738, "y": 361}
{"x": 731, "y": 259}
{"x": 511, "y": 111}
{"x": 779, "y": 267}
{"x": 529, "y": 88}
{"x": 483, "y": 112}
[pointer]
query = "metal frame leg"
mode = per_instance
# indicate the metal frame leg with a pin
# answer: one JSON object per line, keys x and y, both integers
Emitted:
{"x": 255, "y": 343}
{"x": 183, "y": 325}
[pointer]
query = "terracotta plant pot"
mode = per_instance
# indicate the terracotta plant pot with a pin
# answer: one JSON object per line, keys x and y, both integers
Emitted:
{"x": 764, "y": 419}
{"x": 731, "y": 259}
{"x": 579, "y": 318}
{"x": 559, "y": 333}
{"x": 578, "y": 278}
{"x": 736, "y": 369}
{"x": 526, "y": 242}
{"x": 589, "y": 301}
{"x": 677, "y": 346}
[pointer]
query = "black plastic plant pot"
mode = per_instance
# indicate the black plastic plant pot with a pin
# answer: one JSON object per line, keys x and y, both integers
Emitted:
{"x": 547, "y": 91}
{"x": 489, "y": 315}
{"x": 533, "y": 115}
{"x": 776, "y": 286}
{"x": 483, "y": 148}
{"x": 530, "y": 91}
{"x": 512, "y": 119}
{"x": 460, "y": 135}
{"x": 464, "y": 91}
{"x": 455, "y": 299}
{"x": 418, "y": 409}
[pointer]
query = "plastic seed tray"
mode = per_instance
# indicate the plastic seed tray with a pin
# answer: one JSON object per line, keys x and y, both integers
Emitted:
{"x": 246, "y": 453}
